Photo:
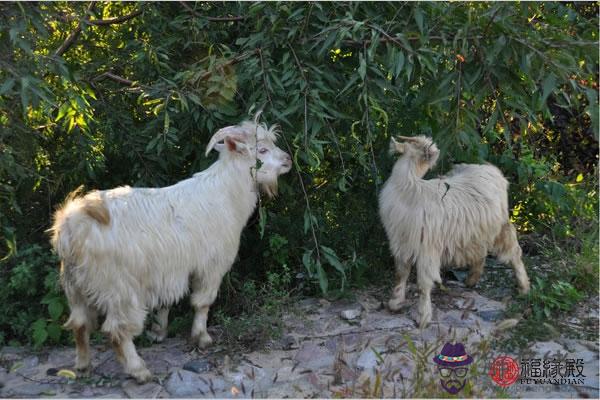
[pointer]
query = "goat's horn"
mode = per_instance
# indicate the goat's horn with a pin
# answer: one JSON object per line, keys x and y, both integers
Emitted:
{"x": 233, "y": 131}
{"x": 408, "y": 138}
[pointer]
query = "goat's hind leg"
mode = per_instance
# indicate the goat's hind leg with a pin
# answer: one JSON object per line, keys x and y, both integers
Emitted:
{"x": 507, "y": 249}
{"x": 399, "y": 292}
{"x": 158, "y": 331}
{"x": 475, "y": 272}
{"x": 428, "y": 273}
{"x": 82, "y": 322}
{"x": 122, "y": 326}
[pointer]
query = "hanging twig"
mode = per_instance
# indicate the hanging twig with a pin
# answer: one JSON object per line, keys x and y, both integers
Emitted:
{"x": 458, "y": 92}
{"x": 305, "y": 92}
{"x": 264, "y": 76}
{"x": 485, "y": 31}
{"x": 368, "y": 123}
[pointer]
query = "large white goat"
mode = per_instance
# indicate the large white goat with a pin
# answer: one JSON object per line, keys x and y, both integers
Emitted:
{"x": 454, "y": 220}
{"x": 128, "y": 250}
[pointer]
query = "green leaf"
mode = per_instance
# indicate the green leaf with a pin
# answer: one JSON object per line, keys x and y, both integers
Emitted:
{"x": 308, "y": 263}
{"x": 419, "y": 19}
{"x": 362, "y": 66}
{"x": 399, "y": 64}
{"x": 167, "y": 123}
{"x": 40, "y": 334}
{"x": 262, "y": 220}
{"x": 7, "y": 86}
{"x": 322, "y": 276}
{"x": 54, "y": 331}
{"x": 333, "y": 259}
{"x": 62, "y": 111}
{"x": 55, "y": 308}
{"x": 548, "y": 86}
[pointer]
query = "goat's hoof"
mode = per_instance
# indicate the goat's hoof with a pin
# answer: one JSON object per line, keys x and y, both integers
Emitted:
{"x": 471, "y": 282}
{"x": 156, "y": 337}
{"x": 84, "y": 371}
{"x": 202, "y": 341}
{"x": 424, "y": 321}
{"x": 524, "y": 290}
{"x": 396, "y": 304}
{"x": 205, "y": 341}
{"x": 141, "y": 375}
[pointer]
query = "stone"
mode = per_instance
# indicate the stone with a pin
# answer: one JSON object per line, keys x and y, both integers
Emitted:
{"x": 11, "y": 354}
{"x": 182, "y": 383}
{"x": 312, "y": 356}
{"x": 368, "y": 359}
{"x": 388, "y": 321}
{"x": 63, "y": 358}
{"x": 298, "y": 389}
{"x": 16, "y": 388}
{"x": 198, "y": 366}
{"x": 288, "y": 342}
{"x": 350, "y": 315}
{"x": 490, "y": 315}
{"x": 146, "y": 391}
{"x": 551, "y": 348}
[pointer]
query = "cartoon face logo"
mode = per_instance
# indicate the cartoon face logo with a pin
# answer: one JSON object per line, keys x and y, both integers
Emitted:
{"x": 453, "y": 364}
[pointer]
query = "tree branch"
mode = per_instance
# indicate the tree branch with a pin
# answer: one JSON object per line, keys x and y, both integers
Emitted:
{"x": 115, "y": 78}
{"x": 211, "y": 19}
{"x": 75, "y": 34}
{"x": 137, "y": 85}
{"x": 115, "y": 20}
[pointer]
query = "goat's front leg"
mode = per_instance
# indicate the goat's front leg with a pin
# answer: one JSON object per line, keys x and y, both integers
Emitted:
{"x": 204, "y": 292}
{"x": 399, "y": 293}
{"x": 158, "y": 331}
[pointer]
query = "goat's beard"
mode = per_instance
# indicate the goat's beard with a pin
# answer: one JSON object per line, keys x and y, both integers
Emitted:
{"x": 269, "y": 188}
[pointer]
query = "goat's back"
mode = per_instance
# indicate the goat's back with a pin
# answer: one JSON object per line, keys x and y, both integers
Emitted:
{"x": 451, "y": 216}
{"x": 151, "y": 242}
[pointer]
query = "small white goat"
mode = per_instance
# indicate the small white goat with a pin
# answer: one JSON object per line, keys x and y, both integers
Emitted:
{"x": 454, "y": 220}
{"x": 128, "y": 250}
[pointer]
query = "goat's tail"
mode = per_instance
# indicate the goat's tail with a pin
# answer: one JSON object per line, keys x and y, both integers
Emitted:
{"x": 71, "y": 222}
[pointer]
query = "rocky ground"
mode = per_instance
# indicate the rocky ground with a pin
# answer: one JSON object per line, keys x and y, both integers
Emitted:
{"x": 329, "y": 349}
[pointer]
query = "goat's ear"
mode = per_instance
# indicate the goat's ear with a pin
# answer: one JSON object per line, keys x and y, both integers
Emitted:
{"x": 396, "y": 147}
{"x": 232, "y": 145}
{"x": 234, "y": 131}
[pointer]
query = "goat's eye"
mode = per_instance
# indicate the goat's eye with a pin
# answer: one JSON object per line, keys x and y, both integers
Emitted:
{"x": 263, "y": 150}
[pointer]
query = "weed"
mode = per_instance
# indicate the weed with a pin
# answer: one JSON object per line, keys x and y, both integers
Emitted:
{"x": 565, "y": 276}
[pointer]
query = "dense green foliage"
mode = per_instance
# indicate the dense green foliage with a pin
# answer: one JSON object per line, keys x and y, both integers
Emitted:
{"x": 106, "y": 94}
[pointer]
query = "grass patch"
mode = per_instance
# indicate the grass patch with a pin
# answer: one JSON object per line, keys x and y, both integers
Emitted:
{"x": 564, "y": 280}
{"x": 253, "y": 315}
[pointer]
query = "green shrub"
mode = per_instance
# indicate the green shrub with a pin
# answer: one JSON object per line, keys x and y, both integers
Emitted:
{"x": 32, "y": 306}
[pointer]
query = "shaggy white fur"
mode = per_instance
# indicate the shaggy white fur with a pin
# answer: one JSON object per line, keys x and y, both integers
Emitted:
{"x": 454, "y": 220}
{"x": 128, "y": 250}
